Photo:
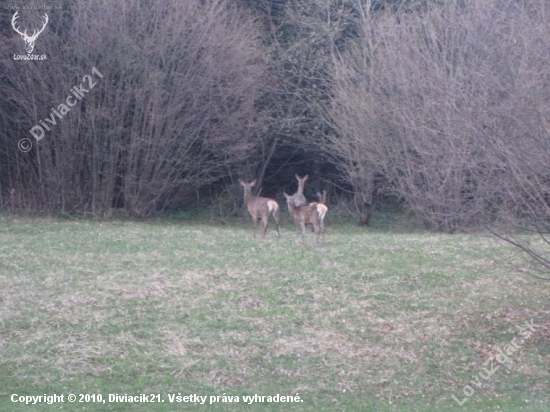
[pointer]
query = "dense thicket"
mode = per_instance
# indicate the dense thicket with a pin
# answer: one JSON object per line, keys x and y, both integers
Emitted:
{"x": 176, "y": 109}
{"x": 448, "y": 104}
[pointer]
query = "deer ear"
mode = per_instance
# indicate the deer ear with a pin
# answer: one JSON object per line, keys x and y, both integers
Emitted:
{"x": 241, "y": 182}
{"x": 305, "y": 177}
{"x": 253, "y": 183}
{"x": 297, "y": 177}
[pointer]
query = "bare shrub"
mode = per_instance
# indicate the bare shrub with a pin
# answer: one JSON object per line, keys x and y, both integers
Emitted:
{"x": 175, "y": 110}
{"x": 423, "y": 98}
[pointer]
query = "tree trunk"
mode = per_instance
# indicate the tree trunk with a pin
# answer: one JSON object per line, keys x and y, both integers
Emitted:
{"x": 366, "y": 211}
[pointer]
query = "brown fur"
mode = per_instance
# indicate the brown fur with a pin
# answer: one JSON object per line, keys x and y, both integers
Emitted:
{"x": 260, "y": 208}
{"x": 313, "y": 214}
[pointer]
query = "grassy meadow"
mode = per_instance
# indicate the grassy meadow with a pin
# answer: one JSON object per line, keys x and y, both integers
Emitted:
{"x": 374, "y": 319}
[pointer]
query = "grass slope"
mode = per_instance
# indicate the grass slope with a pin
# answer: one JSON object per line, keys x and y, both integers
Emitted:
{"x": 372, "y": 320}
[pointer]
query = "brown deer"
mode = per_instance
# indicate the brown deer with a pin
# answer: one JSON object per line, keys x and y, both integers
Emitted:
{"x": 260, "y": 207}
{"x": 322, "y": 200}
{"x": 299, "y": 198}
{"x": 313, "y": 214}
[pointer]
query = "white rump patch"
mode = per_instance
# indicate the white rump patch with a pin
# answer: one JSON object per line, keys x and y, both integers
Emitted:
{"x": 272, "y": 205}
{"x": 321, "y": 210}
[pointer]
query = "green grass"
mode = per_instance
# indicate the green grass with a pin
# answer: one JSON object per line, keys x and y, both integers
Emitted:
{"x": 372, "y": 320}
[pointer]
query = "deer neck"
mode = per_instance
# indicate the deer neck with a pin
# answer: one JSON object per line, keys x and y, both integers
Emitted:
{"x": 291, "y": 207}
{"x": 248, "y": 196}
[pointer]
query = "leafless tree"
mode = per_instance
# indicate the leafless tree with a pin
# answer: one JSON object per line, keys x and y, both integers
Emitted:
{"x": 411, "y": 102}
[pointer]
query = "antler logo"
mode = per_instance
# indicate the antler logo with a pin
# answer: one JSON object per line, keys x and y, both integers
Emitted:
{"x": 29, "y": 40}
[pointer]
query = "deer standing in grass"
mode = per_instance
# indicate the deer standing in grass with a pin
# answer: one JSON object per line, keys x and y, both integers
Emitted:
{"x": 313, "y": 214}
{"x": 260, "y": 207}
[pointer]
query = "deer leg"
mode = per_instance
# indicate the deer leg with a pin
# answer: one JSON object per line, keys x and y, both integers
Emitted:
{"x": 254, "y": 222}
{"x": 318, "y": 234}
{"x": 320, "y": 229}
{"x": 265, "y": 224}
{"x": 303, "y": 233}
{"x": 276, "y": 217}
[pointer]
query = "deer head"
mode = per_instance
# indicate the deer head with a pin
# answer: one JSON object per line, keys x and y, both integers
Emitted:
{"x": 29, "y": 40}
{"x": 301, "y": 182}
{"x": 322, "y": 196}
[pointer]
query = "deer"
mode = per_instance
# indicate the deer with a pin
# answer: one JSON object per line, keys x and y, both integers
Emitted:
{"x": 260, "y": 207}
{"x": 29, "y": 40}
{"x": 322, "y": 196}
{"x": 299, "y": 198}
{"x": 313, "y": 214}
